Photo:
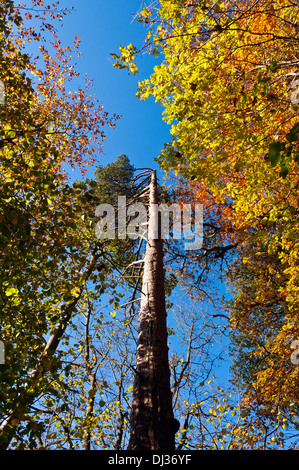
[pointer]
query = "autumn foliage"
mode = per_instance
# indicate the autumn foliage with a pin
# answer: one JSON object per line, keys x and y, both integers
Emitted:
{"x": 227, "y": 79}
{"x": 228, "y": 84}
{"x": 45, "y": 127}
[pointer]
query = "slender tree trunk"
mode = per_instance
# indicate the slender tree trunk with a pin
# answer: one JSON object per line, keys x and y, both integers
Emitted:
{"x": 10, "y": 422}
{"x": 153, "y": 426}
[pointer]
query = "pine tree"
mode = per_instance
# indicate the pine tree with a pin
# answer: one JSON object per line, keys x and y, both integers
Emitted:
{"x": 153, "y": 425}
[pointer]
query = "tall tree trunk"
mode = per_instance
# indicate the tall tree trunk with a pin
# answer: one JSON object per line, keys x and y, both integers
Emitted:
{"x": 153, "y": 426}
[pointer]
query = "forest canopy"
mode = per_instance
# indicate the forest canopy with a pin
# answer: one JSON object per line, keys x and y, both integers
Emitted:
{"x": 71, "y": 326}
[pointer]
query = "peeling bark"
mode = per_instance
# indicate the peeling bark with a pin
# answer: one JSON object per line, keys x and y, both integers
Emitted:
{"x": 153, "y": 425}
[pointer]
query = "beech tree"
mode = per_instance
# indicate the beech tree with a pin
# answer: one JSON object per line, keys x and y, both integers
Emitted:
{"x": 228, "y": 84}
{"x": 47, "y": 257}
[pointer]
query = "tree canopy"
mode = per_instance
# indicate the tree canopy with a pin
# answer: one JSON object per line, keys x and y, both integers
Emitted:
{"x": 227, "y": 80}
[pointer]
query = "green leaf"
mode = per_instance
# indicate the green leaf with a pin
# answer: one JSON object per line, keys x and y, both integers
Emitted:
{"x": 274, "y": 66}
{"x": 293, "y": 134}
{"x": 11, "y": 134}
{"x": 284, "y": 172}
{"x": 274, "y": 153}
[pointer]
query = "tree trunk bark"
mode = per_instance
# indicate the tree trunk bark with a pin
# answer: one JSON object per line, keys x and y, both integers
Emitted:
{"x": 153, "y": 425}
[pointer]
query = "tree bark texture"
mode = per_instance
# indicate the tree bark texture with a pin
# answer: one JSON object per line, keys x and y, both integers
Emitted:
{"x": 153, "y": 426}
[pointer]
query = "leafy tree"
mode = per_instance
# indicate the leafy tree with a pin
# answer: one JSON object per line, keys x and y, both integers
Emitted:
{"x": 227, "y": 81}
{"x": 47, "y": 257}
{"x": 228, "y": 86}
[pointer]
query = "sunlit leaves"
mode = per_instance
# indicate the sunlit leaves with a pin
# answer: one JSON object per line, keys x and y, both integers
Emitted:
{"x": 126, "y": 58}
{"x": 47, "y": 256}
{"x": 228, "y": 85}
{"x": 284, "y": 152}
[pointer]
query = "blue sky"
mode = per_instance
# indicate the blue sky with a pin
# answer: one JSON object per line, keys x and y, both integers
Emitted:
{"x": 104, "y": 26}
{"x": 140, "y": 133}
